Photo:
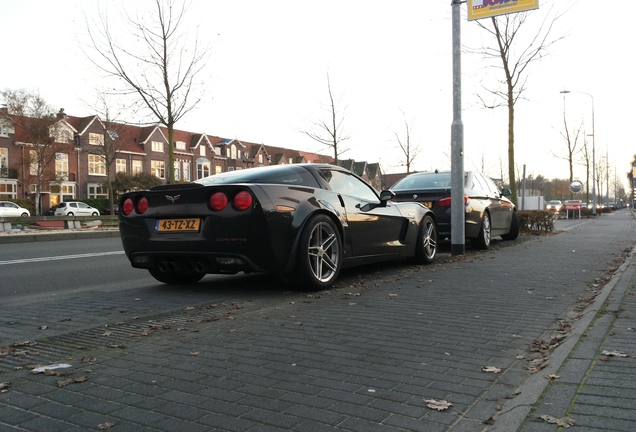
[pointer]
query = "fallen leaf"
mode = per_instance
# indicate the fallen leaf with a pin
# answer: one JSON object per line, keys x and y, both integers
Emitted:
{"x": 552, "y": 376}
{"x": 490, "y": 420}
{"x": 491, "y": 369}
{"x": 89, "y": 359}
{"x": 4, "y": 386}
{"x": 43, "y": 327}
{"x": 66, "y": 382}
{"x": 441, "y": 405}
{"x": 144, "y": 333}
{"x": 194, "y": 353}
{"x": 565, "y": 422}
{"x": 107, "y": 333}
{"x": 392, "y": 295}
{"x": 104, "y": 426}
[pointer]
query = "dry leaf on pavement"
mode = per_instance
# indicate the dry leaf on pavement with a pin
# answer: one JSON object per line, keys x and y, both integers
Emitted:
{"x": 491, "y": 369}
{"x": 104, "y": 426}
{"x": 440, "y": 405}
{"x": 564, "y": 422}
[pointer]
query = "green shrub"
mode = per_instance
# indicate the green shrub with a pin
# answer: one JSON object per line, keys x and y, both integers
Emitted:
{"x": 536, "y": 221}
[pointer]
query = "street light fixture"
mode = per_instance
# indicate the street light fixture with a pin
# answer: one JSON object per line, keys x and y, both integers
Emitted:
{"x": 593, "y": 149}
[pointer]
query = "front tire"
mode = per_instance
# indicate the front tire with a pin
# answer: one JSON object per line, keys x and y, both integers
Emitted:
{"x": 426, "y": 247}
{"x": 514, "y": 228}
{"x": 95, "y": 214}
{"x": 176, "y": 278}
{"x": 483, "y": 239}
{"x": 319, "y": 254}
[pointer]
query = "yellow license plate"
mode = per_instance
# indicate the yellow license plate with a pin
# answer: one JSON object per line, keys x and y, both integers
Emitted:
{"x": 428, "y": 204}
{"x": 178, "y": 225}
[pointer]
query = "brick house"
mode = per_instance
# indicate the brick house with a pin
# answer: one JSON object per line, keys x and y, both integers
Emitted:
{"x": 78, "y": 169}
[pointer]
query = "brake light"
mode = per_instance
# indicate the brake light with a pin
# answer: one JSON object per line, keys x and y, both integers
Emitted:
{"x": 242, "y": 201}
{"x": 446, "y": 202}
{"x": 127, "y": 207}
{"x": 142, "y": 205}
{"x": 218, "y": 201}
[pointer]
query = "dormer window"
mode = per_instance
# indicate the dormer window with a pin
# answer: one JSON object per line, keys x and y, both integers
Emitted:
{"x": 95, "y": 139}
{"x": 157, "y": 146}
{"x": 180, "y": 145}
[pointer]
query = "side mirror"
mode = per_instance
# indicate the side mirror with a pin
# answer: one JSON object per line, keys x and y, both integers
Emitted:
{"x": 506, "y": 192}
{"x": 386, "y": 195}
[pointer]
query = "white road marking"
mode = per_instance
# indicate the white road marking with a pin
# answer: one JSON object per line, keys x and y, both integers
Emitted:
{"x": 58, "y": 258}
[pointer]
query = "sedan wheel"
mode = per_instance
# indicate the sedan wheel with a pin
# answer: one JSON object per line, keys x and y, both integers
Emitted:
{"x": 483, "y": 239}
{"x": 514, "y": 228}
{"x": 319, "y": 254}
{"x": 426, "y": 247}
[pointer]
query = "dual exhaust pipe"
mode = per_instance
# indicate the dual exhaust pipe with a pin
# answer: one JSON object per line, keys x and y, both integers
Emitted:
{"x": 175, "y": 266}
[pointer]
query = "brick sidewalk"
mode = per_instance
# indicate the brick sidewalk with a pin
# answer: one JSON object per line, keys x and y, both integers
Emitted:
{"x": 366, "y": 355}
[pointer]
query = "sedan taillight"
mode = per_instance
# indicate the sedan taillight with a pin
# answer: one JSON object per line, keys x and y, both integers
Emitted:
{"x": 127, "y": 207}
{"x": 218, "y": 201}
{"x": 142, "y": 205}
{"x": 446, "y": 202}
{"x": 243, "y": 200}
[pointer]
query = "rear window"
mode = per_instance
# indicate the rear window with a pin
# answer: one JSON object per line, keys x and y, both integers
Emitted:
{"x": 440, "y": 180}
{"x": 293, "y": 176}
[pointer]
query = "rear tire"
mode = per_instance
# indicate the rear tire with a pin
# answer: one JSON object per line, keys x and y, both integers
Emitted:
{"x": 176, "y": 278}
{"x": 514, "y": 228}
{"x": 483, "y": 239}
{"x": 426, "y": 247}
{"x": 319, "y": 254}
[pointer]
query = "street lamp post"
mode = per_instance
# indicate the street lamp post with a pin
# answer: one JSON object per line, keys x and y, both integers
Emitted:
{"x": 593, "y": 150}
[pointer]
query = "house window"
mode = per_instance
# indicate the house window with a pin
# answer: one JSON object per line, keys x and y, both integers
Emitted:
{"x": 96, "y": 190}
{"x": 61, "y": 165}
{"x": 217, "y": 151}
{"x": 232, "y": 151}
{"x": 95, "y": 139}
{"x": 120, "y": 165}
{"x": 239, "y": 154}
{"x": 186, "y": 171}
{"x": 260, "y": 158}
{"x": 4, "y": 130}
{"x": 61, "y": 135}
{"x": 202, "y": 150}
{"x": 177, "y": 170}
{"x": 33, "y": 162}
{"x": 8, "y": 189}
{"x": 218, "y": 169}
{"x": 158, "y": 168}
{"x": 4, "y": 162}
{"x": 227, "y": 152}
{"x": 180, "y": 145}
{"x": 137, "y": 167}
{"x": 96, "y": 165}
{"x": 203, "y": 169}
{"x": 157, "y": 146}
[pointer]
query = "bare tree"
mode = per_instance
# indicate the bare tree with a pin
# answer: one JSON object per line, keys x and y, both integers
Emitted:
{"x": 328, "y": 130}
{"x": 506, "y": 30}
{"x": 112, "y": 140}
{"x": 586, "y": 160}
{"x": 572, "y": 145}
{"x": 37, "y": 119}
{"x": 160, "y": 66}
{"x": 404, "y": 141}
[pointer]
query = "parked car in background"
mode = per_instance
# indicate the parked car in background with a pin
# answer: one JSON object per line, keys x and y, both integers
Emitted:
{"x": 488, "y": 212}
{"x": 304, "y": 222}
{"x": 75, "y": 208}
{"x": 115, "y": 209}
{"x": 554, "y": 206}
{"x": 11, "y": 209}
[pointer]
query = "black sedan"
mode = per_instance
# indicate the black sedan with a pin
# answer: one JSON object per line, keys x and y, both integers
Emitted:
{"x": 303, "y": 221}
{"x": 489, "y": 212}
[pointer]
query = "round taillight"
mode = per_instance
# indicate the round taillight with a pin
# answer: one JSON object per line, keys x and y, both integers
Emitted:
{"x": 243, "y": 201}
{"x": 218, "y": 201}
{"x": 127, "y": 207}
{"x": 142, "y": 205}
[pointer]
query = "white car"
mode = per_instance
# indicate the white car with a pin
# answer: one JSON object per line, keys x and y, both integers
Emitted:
{"x": 75, "y": 208}
{"x": 10, "y": 209}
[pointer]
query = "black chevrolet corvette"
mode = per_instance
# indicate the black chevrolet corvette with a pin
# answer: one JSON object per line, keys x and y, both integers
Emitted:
{"x": 303, "y": 221}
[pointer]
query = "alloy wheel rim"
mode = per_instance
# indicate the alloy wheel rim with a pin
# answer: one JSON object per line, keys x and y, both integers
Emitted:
{"x": 324, "y": 252}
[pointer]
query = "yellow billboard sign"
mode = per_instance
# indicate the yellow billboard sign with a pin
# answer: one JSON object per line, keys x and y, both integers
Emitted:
{"x": 478, "y": 9}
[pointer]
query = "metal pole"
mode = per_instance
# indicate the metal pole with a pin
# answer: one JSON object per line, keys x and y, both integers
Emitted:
{"x": 457, "y": 144}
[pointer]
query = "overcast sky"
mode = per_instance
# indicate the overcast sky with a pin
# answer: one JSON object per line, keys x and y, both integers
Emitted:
{"x": 266, "y": 77}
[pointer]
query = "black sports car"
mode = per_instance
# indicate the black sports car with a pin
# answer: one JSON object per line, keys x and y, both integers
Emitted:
{"x": 489, "y": 212}
{"x": 303, "y": 221}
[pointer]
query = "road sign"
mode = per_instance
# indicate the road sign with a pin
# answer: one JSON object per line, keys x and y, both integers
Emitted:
{"x": 478, "y": 9}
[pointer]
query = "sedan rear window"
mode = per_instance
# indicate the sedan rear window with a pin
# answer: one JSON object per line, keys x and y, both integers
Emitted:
{"x": 425, "y": 181}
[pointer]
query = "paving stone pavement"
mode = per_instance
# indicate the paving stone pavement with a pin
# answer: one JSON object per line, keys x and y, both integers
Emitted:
{"x": 483, "y": 332}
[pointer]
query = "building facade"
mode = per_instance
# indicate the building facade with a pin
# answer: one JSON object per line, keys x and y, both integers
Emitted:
{"x": 74, "y": 164}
